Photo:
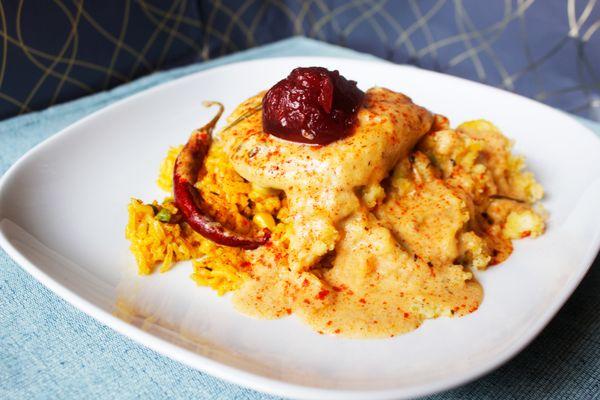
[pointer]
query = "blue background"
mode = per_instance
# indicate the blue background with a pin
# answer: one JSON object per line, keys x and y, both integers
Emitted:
{"x": 53, "y": 51}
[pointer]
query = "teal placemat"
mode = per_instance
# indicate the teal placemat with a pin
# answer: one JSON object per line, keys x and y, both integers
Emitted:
{"x": 50, "y": 350}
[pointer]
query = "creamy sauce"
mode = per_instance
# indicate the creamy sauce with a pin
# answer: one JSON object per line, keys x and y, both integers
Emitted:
{"x": 374, "y": 289}
{"x": 320, "y": 181}
{"x": 342, "y": 269}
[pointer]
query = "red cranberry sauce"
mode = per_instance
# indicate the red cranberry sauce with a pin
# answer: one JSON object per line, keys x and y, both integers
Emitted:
{"x": 312, "y": 105}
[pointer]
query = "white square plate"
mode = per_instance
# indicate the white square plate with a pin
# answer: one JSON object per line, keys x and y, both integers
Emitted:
{"x": 63, "y": 213}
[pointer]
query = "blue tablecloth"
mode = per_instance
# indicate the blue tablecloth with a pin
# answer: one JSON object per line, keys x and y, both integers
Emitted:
{"x": 50, "y": 350}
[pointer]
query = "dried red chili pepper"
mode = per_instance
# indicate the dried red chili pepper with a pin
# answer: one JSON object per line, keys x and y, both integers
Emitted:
{"x": 186, "y": 195}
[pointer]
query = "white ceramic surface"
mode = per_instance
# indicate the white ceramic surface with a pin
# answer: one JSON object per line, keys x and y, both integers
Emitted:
{"x": 63, "y": 212}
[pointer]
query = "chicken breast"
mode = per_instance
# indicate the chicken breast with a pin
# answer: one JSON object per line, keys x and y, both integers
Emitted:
{"x": 321, "y": 182}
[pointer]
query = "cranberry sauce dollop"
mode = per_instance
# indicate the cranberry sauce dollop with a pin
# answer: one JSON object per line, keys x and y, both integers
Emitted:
{"x": 312, "y": 105}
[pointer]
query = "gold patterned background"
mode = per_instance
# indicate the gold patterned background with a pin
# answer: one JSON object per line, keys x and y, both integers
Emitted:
{"x": 58, "y": 50}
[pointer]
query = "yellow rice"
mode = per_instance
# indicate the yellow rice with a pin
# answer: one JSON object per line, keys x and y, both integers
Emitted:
{"x": 165, "y": 175}
{"x": 227, "y": 197}
{"x": 154, "y": 242}
{"x": 220, "y": 268}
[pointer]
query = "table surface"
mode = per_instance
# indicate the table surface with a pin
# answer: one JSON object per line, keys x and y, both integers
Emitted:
{"x": 48, "y": 349}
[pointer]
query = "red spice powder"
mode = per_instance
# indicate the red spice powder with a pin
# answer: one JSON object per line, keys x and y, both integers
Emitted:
{"x": 246, "y": 265}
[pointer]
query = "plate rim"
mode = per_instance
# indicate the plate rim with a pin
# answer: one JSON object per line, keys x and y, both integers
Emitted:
{"x": 255, "y": 381}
